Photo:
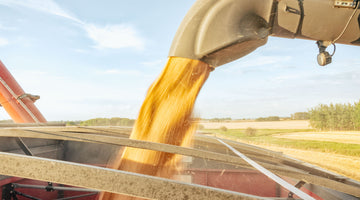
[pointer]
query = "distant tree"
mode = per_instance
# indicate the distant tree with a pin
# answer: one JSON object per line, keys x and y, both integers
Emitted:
{"x": 356, "y": 116}
{"x": 223, "y": 128}
{"x": 320, "y": 117}
{"x": 70, "y": 123}
{"x": 350, "y": 116}
{"x": 200, "y": 127}
{"x": 300, "y": 116}
{"x": 274, "y": 118}
{"x": 220, "y": 119}
{"x": 115, "y": 121}
{"x": 335, "y": 116}
{"x": 271, "y": 118}
{"x": 250, "y": 131}
{"x": 285, "y": 118}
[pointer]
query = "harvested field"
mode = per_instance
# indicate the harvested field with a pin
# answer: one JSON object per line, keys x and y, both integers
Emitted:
{"x": 334, "y": 151}
{"x": 344, "y": 165}
{"x": 291, "y": 124}
{"x": 342, "y": 137}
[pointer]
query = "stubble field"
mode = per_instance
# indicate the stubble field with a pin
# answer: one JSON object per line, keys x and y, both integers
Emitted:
{"x": 288, "y": 124}
{"x": 335, "y": 151}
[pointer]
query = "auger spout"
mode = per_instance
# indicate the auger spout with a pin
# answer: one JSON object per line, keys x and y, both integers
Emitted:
{"x": 220, "y": 31}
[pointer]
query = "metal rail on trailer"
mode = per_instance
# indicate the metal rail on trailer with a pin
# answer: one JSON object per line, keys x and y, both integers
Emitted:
{"x": 285, "y": 166}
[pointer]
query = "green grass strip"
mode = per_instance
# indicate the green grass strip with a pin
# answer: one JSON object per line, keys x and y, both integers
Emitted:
{"x": 265, "y": 136}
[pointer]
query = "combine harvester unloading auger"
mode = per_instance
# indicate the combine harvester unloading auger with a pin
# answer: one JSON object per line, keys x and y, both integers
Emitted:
{"x": 220, "y": 31}
{"x": 214, "y": 32}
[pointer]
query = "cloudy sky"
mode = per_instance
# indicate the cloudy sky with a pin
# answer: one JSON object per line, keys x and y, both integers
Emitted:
{"x": 90, "y": 59}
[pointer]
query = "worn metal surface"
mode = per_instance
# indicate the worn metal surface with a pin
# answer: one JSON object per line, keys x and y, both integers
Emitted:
{"x": 110, "y": 180}
{"x": 269, "y": 174}
{"x": 23, "y": 146}
{"x": 284, "y": 166}
{"x": 279, "y": 158}
{"x": 139, "y": 144}
{"x": 218, "y": 32}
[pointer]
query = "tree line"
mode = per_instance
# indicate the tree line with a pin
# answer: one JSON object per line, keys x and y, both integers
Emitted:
{"x": 271, "y": 118}
{"x": 335, "y": 117}
{"x": 115, "y": 121}
{"x": 220, "y": 119}
{"x": 300, "y": 116}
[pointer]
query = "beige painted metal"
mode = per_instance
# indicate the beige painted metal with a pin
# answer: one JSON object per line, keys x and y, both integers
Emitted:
{"x": 289, "y": 15}
{"x": 218, "y": 32}
{"x": 111, "y": 140}
{"x": 82, "y": 137}
{"x": 110, "y": 180}
{"x": 282, "y": 165}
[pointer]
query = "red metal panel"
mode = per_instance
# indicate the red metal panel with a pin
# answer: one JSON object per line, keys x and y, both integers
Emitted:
{"x": 251, "y": 183}
{"x": 21, "y": 110}
{"x": 244, "y": 181}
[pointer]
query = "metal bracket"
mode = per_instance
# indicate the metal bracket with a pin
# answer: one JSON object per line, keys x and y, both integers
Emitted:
{"x": 298, "y": 185}
{"x": 49, "y": 187}
{"x": 32, "y": 97}
{"x": 9, "y": 193}
{"x": 292, "y": 10}
{"x": 23, "y": 146}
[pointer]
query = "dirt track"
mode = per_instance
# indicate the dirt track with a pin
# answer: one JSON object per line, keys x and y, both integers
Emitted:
{"x": 291, "y": 124}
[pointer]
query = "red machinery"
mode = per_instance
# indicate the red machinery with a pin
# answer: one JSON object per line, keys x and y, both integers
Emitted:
{"x": 18, "y": 104}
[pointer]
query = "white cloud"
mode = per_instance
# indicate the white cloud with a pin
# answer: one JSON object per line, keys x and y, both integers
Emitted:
{"x": 47, "y": 6}
{"x": 3, "y": 41}
{"x": 114, "y": 36}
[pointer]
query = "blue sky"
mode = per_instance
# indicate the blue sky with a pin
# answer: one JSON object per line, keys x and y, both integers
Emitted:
{"x": 90, "y": 59}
